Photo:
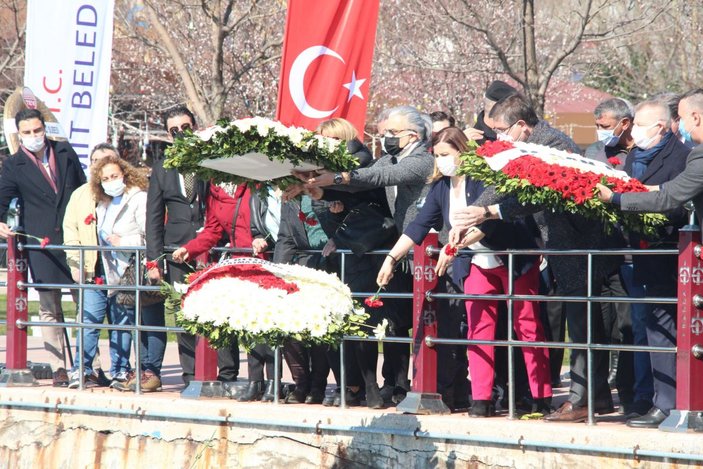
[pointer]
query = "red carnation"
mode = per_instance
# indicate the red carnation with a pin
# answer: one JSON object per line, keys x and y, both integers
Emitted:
{"x": 44, "y": 242}
{"x": 310, "y": 221}
{"x": 373, "y": 302}
{"x": 301, "y": 216}
{"x": 99, "y": 281}
{"x": 489, "y": 148}
{"x": 614, "y": 160}
{"x": 89, "y": 219}
{"x": 644, "y": 244}
{"x": 150, "y": 265}
{"x": 450, "y": 250}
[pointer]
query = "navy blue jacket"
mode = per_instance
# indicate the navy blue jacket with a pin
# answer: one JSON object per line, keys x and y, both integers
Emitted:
{"x": 500, "y": 235}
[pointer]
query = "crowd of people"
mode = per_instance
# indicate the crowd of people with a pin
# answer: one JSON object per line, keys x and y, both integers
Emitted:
{"x": 390, "y": 201}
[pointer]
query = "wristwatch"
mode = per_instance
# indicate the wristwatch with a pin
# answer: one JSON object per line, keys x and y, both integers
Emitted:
{"x": 338, "y": 179}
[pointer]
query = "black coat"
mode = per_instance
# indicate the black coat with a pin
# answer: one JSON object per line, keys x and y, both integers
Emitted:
{"x": 42, "y": 209}
{"x": 666, "y": 165}
{"x": 171, "y": 219}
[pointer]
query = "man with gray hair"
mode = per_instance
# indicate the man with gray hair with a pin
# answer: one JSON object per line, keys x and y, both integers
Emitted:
{"x": 403, "y": 170}
{"x": 613, "y": 128}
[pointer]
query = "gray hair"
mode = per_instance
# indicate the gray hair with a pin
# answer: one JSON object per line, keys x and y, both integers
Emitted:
{"x": 618, "y": 107}
{"x": 662, "y": 108}
{"x": 417, "y": 121}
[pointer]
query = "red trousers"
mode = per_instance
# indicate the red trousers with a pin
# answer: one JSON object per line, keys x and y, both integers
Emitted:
{"x": 482, "y": 315}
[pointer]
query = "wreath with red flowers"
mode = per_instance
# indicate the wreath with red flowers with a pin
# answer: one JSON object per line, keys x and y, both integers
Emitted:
{"x": 554, "y": 186}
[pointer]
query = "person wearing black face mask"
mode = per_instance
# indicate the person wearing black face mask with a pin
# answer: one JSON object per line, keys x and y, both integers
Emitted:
{"x": 184, "y": 198}
{"x": 403, "y": 171}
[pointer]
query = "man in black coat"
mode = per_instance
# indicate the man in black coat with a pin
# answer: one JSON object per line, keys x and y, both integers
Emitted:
{"x": 175, "y": 210}
{"x": 43, "y": 174}
{"x": 658, "y": 157}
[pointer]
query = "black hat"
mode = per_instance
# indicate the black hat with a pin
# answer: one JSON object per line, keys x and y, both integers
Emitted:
{"x": 498, "y": 90}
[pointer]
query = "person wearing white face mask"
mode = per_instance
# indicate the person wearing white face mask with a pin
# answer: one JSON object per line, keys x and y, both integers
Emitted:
{"x": 614, "y": 132}
{"x": 657, "y": 158}
{"x": 120, "y": 191}
{"x": 44, "y": 174}
{"x": 480, "y": 273}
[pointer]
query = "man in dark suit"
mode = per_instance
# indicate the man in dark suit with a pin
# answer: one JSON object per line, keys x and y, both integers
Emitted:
{"x": 175, "y": 212}
{"x": 43, "y": 174}
{"x": 687, "y": 185}
{"x": 671, "y": 195}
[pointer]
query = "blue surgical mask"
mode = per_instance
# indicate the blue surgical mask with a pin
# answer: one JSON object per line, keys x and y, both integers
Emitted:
{"x": 608, "y": 137}
{"x": 685, "y": 134}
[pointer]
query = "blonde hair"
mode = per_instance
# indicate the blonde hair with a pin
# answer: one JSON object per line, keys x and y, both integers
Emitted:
{"x": 338, "y": 128}
{"x": 132, "y": 176}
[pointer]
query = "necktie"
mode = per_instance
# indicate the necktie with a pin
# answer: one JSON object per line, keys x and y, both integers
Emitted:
{"x": 189, "y": 185}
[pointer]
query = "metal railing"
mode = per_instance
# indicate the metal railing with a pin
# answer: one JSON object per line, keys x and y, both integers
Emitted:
{"x": 423, "y": 305}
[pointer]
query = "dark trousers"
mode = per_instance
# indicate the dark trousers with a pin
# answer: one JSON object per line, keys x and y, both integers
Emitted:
{"x": 259, "y": 358}
{"x": 396, "y": 357}
{"x": 553, "y": 318}
{"x": 308, "y": 366}
{"x": 351, "y": 367}
{"x": 618, "y": 330}
{"x": 569, "y": 284}
{"x": 152, "y": 344}
{"x": 452, "y": 364}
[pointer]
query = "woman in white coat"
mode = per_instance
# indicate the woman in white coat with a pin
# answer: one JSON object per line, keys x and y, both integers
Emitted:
{"x": 120, "y": 190}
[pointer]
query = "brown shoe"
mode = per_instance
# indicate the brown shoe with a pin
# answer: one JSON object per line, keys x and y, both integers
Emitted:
{"x": 60, "y": 378}
{"x": 149, "y": 382}
{"x": 568, "y": 413}
{"x": 122, "y": 380}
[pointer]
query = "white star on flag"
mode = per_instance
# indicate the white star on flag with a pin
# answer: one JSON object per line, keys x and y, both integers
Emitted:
{"x": 354, "y": 87}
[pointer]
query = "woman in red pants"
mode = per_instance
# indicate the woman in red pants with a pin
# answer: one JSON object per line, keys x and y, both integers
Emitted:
{"x": 481, "y": 273}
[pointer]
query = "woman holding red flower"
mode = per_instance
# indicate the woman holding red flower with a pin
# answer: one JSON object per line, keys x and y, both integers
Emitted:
{"x": 480, "y": 273}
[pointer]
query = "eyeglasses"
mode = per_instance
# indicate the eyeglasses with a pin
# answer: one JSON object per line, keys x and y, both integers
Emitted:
{"x": 498, "y": 130}
{"x": 174, "y": 131}
{"x": 394, "y": 133}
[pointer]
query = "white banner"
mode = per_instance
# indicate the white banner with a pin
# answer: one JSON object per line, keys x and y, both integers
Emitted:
{"x": 67, "y": 65}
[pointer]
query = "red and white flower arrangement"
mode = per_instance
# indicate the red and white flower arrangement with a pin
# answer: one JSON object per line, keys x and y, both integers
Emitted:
{"x": 555, "y": 180}
{"x": 261, "y": 302}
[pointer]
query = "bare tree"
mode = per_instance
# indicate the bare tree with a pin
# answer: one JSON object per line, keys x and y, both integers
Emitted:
{"x": 12, "y": 39}
{"x": 528, "y": 44}
{"x": 221, "y": 55}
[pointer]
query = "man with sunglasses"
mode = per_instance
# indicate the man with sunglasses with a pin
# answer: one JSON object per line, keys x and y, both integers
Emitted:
{"x": 175, "y": 214}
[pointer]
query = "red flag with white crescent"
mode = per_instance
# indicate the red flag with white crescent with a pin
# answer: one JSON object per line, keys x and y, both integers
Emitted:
{"x": 326, "y": 66}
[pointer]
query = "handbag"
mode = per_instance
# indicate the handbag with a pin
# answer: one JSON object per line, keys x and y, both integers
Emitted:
{"x": 128, "y": 279}
{"x": 365, "y": 228}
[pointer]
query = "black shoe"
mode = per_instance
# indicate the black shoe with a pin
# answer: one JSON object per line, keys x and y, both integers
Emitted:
{"x": 534, "y": 406}
{"x": 373, "y": 397}
{"x": 387, "y": 393}
{"x": 269, "y": 392}
{"x": 315, "y": 397}
{"x": 296, "y": 397}
{"x": 651, "y": 419}
{"x": 335, "y": 399}
{"x": 102, "y": 378}
{"x": 481, "y": 408}
{"x": 254, "y": 392}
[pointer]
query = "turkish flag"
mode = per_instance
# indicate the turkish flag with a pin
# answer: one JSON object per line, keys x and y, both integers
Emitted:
{"x": 326, "y": 69}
